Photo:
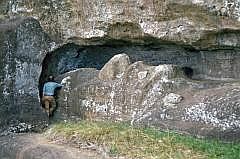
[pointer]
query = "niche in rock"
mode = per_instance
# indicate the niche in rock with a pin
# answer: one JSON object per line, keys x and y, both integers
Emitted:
{"x": 197, "y": 64}
{"x": 188, "y": 71}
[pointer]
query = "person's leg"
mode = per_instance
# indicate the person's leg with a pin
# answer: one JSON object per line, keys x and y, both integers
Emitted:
{"x": 52, "y": 106}
{"x": 47, "y": 105}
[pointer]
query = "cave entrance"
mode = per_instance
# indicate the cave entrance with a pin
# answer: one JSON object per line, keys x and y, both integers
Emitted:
{"x": 188, "y": 72}
{"x": 71, "y": 56}
{"x": 195, "y": 63}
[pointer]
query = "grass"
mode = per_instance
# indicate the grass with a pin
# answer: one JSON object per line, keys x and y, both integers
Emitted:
{"x": 124, "y": 140}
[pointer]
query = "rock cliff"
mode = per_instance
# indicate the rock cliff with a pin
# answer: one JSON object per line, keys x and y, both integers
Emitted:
{"x": 196, "y": 41}
{"x": 200, "y": 23}
{"x": 23, "y": 47}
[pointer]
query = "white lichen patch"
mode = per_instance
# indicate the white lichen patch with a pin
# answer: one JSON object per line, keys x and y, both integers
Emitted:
{"x": 93, "y": 33}
{"x": 154, "y": 94}
{"x": 19, "y": 128}
{"x": 93, "y": 106}
{"x": 53, "y": 46}
{"x": 163, "y": 73}
{"x": 102, "y": 11}
{"x": 142, "y": 75}
{"x": 16, "y": 7}
{"x": 154, "y": 28}
{"x": 66, "y": 80}
{"x": 68, "y": 33}
{"x": 171, "y": 99}
{"x": 177, "y": 29}
{"x": 199, "y": 113}
{"x": 120, "y": 75}
{"x": 67, "y": 88}
{"x": 198, "y": 1}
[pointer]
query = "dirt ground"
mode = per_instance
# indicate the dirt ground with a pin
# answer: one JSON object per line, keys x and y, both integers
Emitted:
{"x": 36, "y": 146}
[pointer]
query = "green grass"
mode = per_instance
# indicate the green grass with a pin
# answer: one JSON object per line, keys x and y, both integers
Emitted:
{"x": 212, "y": 148}
{"x": 124, "y": 140}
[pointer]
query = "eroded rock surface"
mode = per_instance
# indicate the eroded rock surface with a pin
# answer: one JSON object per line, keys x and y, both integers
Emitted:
{"x": 198, "y": 38}
{"x": 154, "y": 95}
{"x": 202, "y": 24}
{"x": 116, "y": 66}
{"x": 23, "y": 46}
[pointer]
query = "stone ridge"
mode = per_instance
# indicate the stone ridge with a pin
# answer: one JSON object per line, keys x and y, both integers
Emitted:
{"x": 200, "y": 23}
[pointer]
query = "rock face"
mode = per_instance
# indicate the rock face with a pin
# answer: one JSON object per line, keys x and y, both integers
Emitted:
{"x": 117, "y": 65}
{"x": 153, "y": 95}
{"x": 23, "y": 47}
{"x": 201, "y": 23}
{"x": 177, "y": 42}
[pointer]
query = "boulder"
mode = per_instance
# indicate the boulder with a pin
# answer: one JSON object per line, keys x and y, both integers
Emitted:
{"x": 22, "y": 50}
{"x": 160, "y": 96}
{"x": 114, "y": 67}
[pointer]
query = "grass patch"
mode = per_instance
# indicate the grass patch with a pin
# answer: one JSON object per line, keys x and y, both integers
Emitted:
{"x": 124, "y": 140}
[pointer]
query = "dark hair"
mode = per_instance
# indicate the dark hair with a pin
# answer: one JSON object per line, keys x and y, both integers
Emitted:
{"x": 50, "y": 78}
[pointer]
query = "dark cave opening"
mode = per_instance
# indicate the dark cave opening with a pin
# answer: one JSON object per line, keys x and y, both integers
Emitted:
{"x": 196, "y": 64}
{"x": 188, "y": 72}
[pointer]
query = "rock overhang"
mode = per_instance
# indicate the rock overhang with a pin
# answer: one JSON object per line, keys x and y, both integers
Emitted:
{"x": 202, "y": 39}
{"x": 188, "y": 22}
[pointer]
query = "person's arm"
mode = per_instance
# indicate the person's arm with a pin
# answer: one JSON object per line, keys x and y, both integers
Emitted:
{"x": 59, "y": 85}
{"x": 44, "y": 89}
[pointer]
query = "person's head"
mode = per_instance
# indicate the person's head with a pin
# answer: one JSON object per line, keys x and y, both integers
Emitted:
{"x": 50, "y": 78}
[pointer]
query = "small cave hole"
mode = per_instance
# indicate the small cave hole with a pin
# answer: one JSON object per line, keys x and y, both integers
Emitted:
{"x": 188, "y": 71}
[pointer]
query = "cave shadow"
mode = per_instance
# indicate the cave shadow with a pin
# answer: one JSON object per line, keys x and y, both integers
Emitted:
{"x": 188, "y": 71}
{"x": 70, "y": 57}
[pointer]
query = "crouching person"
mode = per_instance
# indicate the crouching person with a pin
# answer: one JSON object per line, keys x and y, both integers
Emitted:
{"x": 48, "y": 95}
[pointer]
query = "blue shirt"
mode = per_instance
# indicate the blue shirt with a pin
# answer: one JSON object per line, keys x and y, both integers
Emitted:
{"x": 49, "y": 88}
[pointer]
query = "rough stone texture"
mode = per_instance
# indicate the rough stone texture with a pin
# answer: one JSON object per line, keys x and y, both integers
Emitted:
{"x": 198, "y": 37}
{"x": 34, "y": 146}
{"x": 172, "y": 99}
{"x": 199, "y": 64}
{"x": 154, "y": 95}
{"x": 67, "y": 108}
{"x": 115, "y": 67}
{"x": 23, "y": 46}
{"x": 199, "y": 23}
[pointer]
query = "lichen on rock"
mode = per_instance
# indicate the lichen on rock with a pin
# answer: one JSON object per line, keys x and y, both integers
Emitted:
{"x": 159, "y": 98}
{"x": 174, "y": 51}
